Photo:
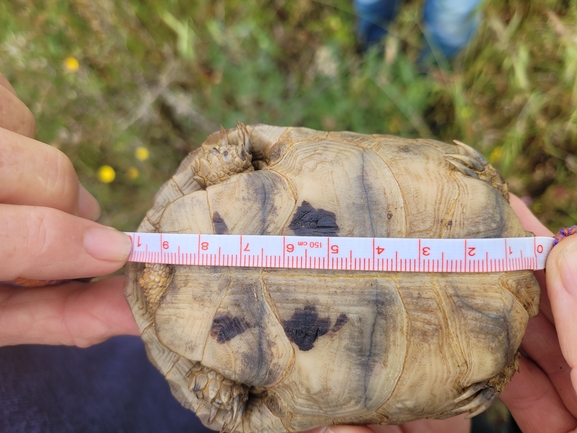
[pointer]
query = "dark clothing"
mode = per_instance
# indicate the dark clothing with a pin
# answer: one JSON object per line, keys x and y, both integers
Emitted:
{"x": 107, "y": 388}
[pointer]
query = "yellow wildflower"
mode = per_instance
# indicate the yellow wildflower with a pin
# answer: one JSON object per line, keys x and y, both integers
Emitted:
{"x": 71, "y": 64}
{"x": 496, "y": 155}
{"x": 106, "y": 174}
{"x": 141, "y": 153}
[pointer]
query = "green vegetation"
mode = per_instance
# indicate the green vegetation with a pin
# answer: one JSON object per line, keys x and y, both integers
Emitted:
{"x": 127, "y": 88}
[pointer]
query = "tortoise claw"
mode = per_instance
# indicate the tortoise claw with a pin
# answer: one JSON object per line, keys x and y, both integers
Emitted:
{"x": 465, "y": 149}
{"x": 471, "y": 163}
{"x": 462, "y": 168}
{"x": 483, "y": 396}
{"x": 243, "y": 135}
{"x": 237, "y": 415}
{"x": 468, "y": 161}
{"x": 213, "y": 412}
{"x": 480, "y": 403}
{"x": 472, "y": 390}
{"x": 223, "y": 136}
{"x": 223, "y": 396}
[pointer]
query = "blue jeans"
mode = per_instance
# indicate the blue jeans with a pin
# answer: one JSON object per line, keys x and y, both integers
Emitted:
{"x": 448, "y": 24}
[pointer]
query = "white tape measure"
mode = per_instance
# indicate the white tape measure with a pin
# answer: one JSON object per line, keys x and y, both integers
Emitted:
{"x": 343, "y": 253}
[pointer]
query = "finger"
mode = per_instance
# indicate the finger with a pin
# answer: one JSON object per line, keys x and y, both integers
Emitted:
{"x": 534, "y": 402}
{"x": 340, "y": 429}
{"x": 44, "y": 243}
{"x": 356, "y": 429}
{"x": 562, "y": 289}
{"x": 36, "y": 174}
{"x": 528, "y": 220}
{"x": 456, "y": 424}
{"x": 14, "y": 114}
{"x": 76, "y": 314}
{"x": 542, "y": 346}
{"x": 5, "y": 83}
{"x": 545, "y": 303}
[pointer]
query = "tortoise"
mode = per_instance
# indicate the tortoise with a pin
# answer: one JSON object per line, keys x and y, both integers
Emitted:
{"x": 269, "y": 349}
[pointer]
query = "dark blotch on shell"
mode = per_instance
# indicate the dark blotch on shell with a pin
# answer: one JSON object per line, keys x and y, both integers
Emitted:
{"x": 406, "y": 149}
{"x": 308, "y": 221}
{"x": 224, "y": 327}
{"x": 341, "y": 321}
{"x": 220, "y": 226}
{"x": 305, "y": 326}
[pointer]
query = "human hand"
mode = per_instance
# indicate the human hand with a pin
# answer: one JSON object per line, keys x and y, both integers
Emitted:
{"x": 451, "y": 425}
{"x": 542, "y": 395}
{"x": 47, "y": 232}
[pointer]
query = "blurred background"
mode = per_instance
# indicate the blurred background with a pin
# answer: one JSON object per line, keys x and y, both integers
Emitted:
{"x": 127, "y": 88}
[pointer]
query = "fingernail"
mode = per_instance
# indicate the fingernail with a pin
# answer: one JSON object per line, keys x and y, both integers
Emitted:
{"x": 88, "y": 206}
{"x": 568, "y": 267}
{"x": 105, "y": 243}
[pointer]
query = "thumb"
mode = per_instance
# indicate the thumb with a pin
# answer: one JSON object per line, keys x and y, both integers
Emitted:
{"x": 562, "y": 290}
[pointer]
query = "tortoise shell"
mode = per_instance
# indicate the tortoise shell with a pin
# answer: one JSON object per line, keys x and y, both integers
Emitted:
{"x": 269, "y": 350}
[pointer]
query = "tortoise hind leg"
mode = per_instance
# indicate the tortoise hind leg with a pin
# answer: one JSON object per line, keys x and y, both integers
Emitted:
{"x": 480, "y": 396}
{"x": 222, "y": 395}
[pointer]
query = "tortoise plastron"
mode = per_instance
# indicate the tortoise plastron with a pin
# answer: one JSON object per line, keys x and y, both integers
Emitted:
{"x": 269, "y": 350}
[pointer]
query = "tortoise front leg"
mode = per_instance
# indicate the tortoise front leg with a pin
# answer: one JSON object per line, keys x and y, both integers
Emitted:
{"x": 220, "y": 393}
{"x": 155, "y": 280}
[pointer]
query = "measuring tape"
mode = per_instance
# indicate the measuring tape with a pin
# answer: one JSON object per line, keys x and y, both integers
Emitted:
{"x": 343, "y": 253}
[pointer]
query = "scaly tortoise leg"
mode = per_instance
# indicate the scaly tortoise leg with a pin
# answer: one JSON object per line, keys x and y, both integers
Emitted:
{"x": 221, "y": 393}
{"x": 155, "y": 280}
{"x": 484, "y": 393}
{"x": 471, "y": 163}
{"x": 217, "y": 163}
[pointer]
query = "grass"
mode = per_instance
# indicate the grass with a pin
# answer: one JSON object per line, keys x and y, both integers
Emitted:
{"x": 126, "y": 89}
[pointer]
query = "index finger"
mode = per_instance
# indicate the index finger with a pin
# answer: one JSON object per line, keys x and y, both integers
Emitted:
{"x": 14, "y": 114}
{"x": 36, "y": 174}
{"x": 5, "y": 83}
